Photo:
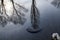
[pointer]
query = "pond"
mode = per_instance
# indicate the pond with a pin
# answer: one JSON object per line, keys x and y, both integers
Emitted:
{"x": 49, "y": 22}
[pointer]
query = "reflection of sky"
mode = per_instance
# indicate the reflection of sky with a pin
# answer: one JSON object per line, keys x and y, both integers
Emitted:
{"x": 49, "y": 14}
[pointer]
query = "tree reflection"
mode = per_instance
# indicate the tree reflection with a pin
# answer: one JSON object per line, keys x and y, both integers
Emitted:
{"x": 17, "y": 12}
{"x": 56, "y": 3}
{"x": 35, "y": 19}
{"x": 3, "y": 21}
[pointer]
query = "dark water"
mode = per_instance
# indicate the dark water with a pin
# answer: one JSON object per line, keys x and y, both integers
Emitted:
{"x": 50, "y": 23}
